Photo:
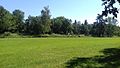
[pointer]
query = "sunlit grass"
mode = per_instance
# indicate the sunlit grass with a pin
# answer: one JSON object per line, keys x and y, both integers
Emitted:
{"x": 49, "y": 52}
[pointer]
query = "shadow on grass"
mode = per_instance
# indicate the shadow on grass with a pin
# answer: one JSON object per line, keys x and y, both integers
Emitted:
{"x": 110, "y": 59}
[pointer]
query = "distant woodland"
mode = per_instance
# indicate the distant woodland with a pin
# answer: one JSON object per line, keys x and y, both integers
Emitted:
{"x": 43, "y": 23}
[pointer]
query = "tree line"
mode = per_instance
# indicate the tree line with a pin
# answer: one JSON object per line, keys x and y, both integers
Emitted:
{"x": 43, "y": 24}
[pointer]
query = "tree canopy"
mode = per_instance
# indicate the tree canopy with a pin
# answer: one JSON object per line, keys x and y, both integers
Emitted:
{"x": 110, "y": 8}
{"x": 43, "y": 23}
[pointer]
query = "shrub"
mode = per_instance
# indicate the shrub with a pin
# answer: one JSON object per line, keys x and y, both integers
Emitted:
{"x": 7, "y": 34}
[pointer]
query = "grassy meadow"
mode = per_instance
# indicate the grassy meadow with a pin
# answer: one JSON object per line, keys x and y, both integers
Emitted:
{"x": 50, "y": 52}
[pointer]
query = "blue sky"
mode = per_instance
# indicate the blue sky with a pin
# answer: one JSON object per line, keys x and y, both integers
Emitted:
{"x": 73, "y": 9}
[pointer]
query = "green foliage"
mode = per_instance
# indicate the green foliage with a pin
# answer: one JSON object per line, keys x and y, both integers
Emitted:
{"x": 43, "y": 24}
{"x": 39, "y": 24}
{"x": 76, "y": 27}
{"x": 99, "y": 27}
{"x": 117, "y": 31}
{"x": 104, "y": 27}
{"x": 57, "y": 25}
{"x": 66, "y": 27}
{"x": 18, "y": 17}
{"x": 62, "y": 25}
{"x": 110, "y": 30}
{"x": 109, "y": 8}
{"x": 5, "y": 20}
{"x": 6, "y": 33}
{"x": 45, "y": 18}
{"x": 11, "y": 35}
{"x": 86, "y": 28}
{"x": 33, "y": 25}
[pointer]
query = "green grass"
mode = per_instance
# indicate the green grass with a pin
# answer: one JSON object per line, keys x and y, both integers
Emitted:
{"x": 49, "y": 52}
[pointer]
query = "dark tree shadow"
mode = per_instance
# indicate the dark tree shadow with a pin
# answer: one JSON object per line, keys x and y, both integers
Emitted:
{"x": 110, "y": 59}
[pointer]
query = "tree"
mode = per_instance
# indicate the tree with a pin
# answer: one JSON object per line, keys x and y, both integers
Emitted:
{"x": 57, "y": 25}
{"x": 76, "y": 27}
{"x": 18, "y": 17}
{"x": 45, "y": 19}
{"x": 109, "y": 30}
{"x": 86, "y": 28}
{"x": 110, "y": 27}
{"x": 5, "y": 20}
{"x": 99, "y": 27}
{"x": 117, "y": 31}
{"x": 109, "y": 8}
{"x": 67, "y": 27}
{"x": 62, "y": 25}
{"x": 39, "y": 24}
{"x": 33, "y": 25}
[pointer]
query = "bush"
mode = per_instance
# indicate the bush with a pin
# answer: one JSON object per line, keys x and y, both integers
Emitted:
{"x": 7, "y": 34}
{"x": 10, "y": 35}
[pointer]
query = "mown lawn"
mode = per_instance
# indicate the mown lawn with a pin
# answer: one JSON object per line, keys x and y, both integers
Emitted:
{"x": 50, "y": 52}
